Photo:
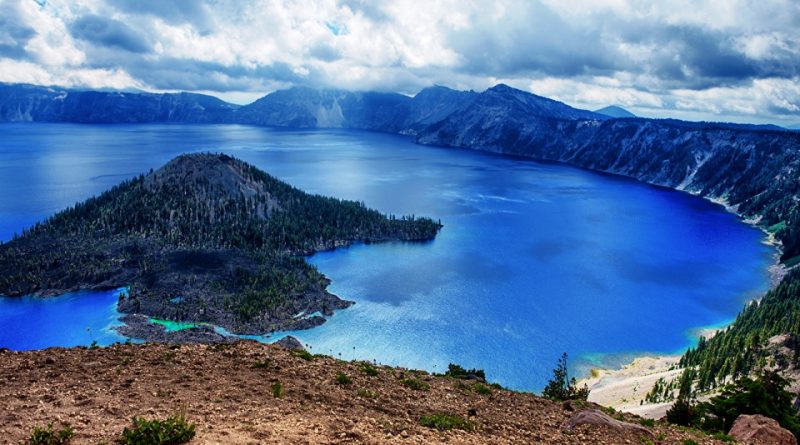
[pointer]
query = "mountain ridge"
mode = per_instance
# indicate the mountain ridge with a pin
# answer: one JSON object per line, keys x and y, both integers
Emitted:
{"x": 749, "y": 167}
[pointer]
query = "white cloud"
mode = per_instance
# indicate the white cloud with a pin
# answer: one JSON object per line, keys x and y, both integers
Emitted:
{"x": 737, "y": 59}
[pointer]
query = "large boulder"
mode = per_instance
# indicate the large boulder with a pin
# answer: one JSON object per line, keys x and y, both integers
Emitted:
{"x": 290, "y": 342}
{"x": 760, "y": 430}
{"x": 597, "y": 417}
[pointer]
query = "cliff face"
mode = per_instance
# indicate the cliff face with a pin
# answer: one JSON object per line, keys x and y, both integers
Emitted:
{"x": 753, "y": 168}
{"x": 309, "y": 108}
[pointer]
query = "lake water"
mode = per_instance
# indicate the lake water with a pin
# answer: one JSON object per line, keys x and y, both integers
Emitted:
{"x": 533, "y": 260}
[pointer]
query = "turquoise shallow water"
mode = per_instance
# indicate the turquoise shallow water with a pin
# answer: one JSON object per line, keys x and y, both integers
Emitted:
{"x": 534, "y": 259}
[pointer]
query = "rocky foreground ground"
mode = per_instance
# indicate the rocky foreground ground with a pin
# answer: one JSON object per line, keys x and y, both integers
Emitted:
{"x": 227, "y": 390}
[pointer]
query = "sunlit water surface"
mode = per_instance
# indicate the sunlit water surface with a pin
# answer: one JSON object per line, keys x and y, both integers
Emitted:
{"x": 534, "y": 259}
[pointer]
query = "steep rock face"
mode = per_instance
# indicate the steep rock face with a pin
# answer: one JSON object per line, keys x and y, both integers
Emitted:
{"x": 433, "y": 105}
{"x": 302, "y": 107}
{"x": 295, "y": 107}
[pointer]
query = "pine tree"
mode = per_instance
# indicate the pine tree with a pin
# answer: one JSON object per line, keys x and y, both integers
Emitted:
{"x": 561, "y": 387}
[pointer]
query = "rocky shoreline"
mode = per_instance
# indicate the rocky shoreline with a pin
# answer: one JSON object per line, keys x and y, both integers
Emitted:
{"x": 138, "y": 326}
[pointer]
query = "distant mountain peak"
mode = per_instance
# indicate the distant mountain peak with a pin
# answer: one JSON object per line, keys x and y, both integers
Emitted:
{"x": 524, "y": 104}
{"x": 615, "y": 111}
{"x": 502, "y": 87}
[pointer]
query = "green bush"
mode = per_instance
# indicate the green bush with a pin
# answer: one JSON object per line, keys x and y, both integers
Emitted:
{"x": 647, "y": 422}
{"x": 444, "y": 422}
{"x": 171, "y": 431}
{"x": 277, "y": 390}
{"x": 368, "y": 369}
{"x": 49, "y": 436}
{"x": 689, "y": 442}
{"x": 415, "y": 384}
{"x": 724, "y": 437}
{"x": 482, "y": 389}
{"x": 457, "y": 371}
{"x": 303, "y": 354}
{"x": 343, "y": 379}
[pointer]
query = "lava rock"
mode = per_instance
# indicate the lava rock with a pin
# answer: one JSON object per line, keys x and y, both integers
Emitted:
{"x": 597, "y": 417}
{"x": 760, "y": 430}
{"x": 290, "y": 342}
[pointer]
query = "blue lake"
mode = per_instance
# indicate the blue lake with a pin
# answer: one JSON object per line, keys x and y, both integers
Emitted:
{"x": 534, "y": 259}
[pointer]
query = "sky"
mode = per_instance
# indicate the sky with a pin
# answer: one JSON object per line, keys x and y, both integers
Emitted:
{"x": 729, "y": 60}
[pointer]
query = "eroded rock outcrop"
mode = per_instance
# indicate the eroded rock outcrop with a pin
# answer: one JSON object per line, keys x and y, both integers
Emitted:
{"x": 760, "y": 430}
{"x": 597, "y": 417}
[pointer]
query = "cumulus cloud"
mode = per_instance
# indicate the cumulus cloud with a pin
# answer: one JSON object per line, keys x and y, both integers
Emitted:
{"x": 731, "y": 60}
{"x": 14, "y": 33}
{"x": 103, "y": 31}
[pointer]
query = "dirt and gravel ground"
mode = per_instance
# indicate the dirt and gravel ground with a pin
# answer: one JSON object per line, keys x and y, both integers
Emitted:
{"x": 98, "y": 391}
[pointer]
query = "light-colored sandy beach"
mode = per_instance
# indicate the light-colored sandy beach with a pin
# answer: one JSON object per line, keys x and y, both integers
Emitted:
{"x": 625, "y": 389}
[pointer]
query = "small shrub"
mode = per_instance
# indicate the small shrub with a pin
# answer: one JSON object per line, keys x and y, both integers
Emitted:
{"x": 260, "y": 364}
{"x": 277, "y": 390}
{"x": 647, "y": 422}
{"x": 369, "y": 370}
{"x": 303, "y": 354}
{"x": 444, "y": 422}
{"x": 608, "y": 410}
{"x": 415, "y": 384}
{"x": 481, "y": 389}
{"x": 367, "y": 394}
{"x": 343, "y": 379}
{"x": 49, "y": 436}
{"x": 689, "y": 442}
{"x": 174, "y": 430}
{"x": 456, "y": 371}
{"x": 724, "y": 437}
